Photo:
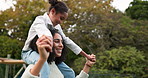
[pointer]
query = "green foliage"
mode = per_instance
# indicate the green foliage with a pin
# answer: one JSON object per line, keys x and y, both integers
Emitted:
{"x": 93, "y": 25}
{"x": 10, "y": 46}
{"x": 2, "y": 67}
{"x": 97, "y": 30}
{"x": 138, "y": 9}
{"x": 18, "y": 20}
{"x": 79, "y": 64}
{"x": 124, "y": 61}
{"x": 83, "y": 25}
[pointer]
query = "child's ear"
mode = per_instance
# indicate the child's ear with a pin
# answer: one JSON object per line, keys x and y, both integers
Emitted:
{"x": 53, "y": 11}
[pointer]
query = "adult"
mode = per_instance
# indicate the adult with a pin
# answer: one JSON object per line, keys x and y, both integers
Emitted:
{"x": 43, "y": 45}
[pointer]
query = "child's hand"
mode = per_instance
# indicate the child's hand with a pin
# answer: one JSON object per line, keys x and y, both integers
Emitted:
{"x": 91, "y": 57}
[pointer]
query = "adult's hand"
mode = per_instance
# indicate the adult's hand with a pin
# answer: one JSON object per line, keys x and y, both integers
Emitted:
{"x": 91, "y": 62}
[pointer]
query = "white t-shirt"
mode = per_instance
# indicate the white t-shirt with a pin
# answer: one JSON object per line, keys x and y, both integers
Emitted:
{"x": 40, "y": 27}
{"x": 54, "y": 72}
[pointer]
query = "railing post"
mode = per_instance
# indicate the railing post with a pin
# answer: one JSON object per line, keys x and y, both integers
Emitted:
{"x": 23, "y": 67}
{"x": 7, "y": 67}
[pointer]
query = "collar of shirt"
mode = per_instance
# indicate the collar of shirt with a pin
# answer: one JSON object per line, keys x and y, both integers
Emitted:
{"x": 48, "y": 20}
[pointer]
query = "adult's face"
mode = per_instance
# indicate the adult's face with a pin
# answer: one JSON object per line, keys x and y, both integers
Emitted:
{"x": 58, "y": 18}
{"x": 57, "y": 44}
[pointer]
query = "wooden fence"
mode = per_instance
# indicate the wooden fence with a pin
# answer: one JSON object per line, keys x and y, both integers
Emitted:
{"x": 9, "y": 61}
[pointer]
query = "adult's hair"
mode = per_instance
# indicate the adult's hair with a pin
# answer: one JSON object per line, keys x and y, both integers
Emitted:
{"x": 59, "y": 6}
{"x": 52, "y": 55}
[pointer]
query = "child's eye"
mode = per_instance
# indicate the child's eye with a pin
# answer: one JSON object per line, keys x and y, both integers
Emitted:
{"x": 62, "y": 18}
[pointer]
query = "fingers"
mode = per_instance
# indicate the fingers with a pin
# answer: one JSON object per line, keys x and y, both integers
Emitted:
{"x": 92, "y": 61}
{"x": 92, "y": 57}
{"x": 46, "y": 41}
{"x": 45, "y": 37}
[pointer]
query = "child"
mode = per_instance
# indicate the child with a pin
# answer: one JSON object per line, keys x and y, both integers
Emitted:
{"x": 58, "y": 12}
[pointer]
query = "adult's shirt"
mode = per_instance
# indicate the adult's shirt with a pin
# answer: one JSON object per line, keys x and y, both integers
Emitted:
{"x": 54, "y": 72}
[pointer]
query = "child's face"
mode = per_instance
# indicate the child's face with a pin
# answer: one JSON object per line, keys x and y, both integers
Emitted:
{"x": 57, "y": 44}
{"x": 58, "y": 18}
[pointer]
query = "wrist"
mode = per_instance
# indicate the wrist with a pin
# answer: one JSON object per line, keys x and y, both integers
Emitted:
{"x": 42, "y": 59}
{"x": 84, "y": 54}
{"x": 86, "y": 64}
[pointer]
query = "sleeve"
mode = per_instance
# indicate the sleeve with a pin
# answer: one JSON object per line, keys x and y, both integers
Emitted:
{"x": 69, "y": 43}
{"x": 27, "y": 73}
{"x": 40, "y": 27}
{"x": 82, "y": 75}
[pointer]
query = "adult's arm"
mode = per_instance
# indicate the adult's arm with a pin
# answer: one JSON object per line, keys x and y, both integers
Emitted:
{"x": 87, "y": 66}
{"x": 43, "y": 43}
{"x": 82, "y": 75}
{"x": 27, "y": 73}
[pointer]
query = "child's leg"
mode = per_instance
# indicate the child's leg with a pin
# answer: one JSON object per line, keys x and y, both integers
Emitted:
{"x": 66, "y": 70}
{"x": 31, "y": 57}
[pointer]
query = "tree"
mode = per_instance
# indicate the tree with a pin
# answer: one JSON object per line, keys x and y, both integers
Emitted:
{"x": 18, "y": 21}
{"x": 138, "y": 9}
{"x": 14, "y": 26}
{"x": 10, "y": 46}
{"x": 15, "y": 23}
{"x": 92, "y": 24}
{"x": 83, "y": 22}
{"x": 97, "y": 29}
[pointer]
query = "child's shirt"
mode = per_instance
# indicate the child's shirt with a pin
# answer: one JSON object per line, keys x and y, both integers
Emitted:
{"x": 40, "y": 27}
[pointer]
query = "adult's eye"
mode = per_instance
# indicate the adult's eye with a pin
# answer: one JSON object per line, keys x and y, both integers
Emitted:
{"x": 56, "y": 41}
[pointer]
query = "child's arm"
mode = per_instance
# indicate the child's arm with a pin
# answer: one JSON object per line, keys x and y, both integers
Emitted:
{"x": 41, "y": 28}
{"x": 69, "y": 43}
{"x": 86, "y": 55}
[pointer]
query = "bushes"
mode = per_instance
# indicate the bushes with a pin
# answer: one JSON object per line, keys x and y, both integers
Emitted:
{"x": 10, "y": 46}
{"x": 124, "y": 61}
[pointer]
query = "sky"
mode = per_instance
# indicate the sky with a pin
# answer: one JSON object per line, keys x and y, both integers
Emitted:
{"x": 6, "y": 4}
{"x": 122, "y": 5}
{"x": 118, "y": 4}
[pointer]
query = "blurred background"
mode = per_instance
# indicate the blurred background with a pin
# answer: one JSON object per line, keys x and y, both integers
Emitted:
{"x": 115, "y": 31}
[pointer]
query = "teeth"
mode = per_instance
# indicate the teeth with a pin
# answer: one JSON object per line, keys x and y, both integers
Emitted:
{"x": 59, "y": 50}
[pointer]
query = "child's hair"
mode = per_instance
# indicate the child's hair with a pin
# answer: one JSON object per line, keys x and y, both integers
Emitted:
{"x": 59, "y": 6}
{"x": 51, "y": 57}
